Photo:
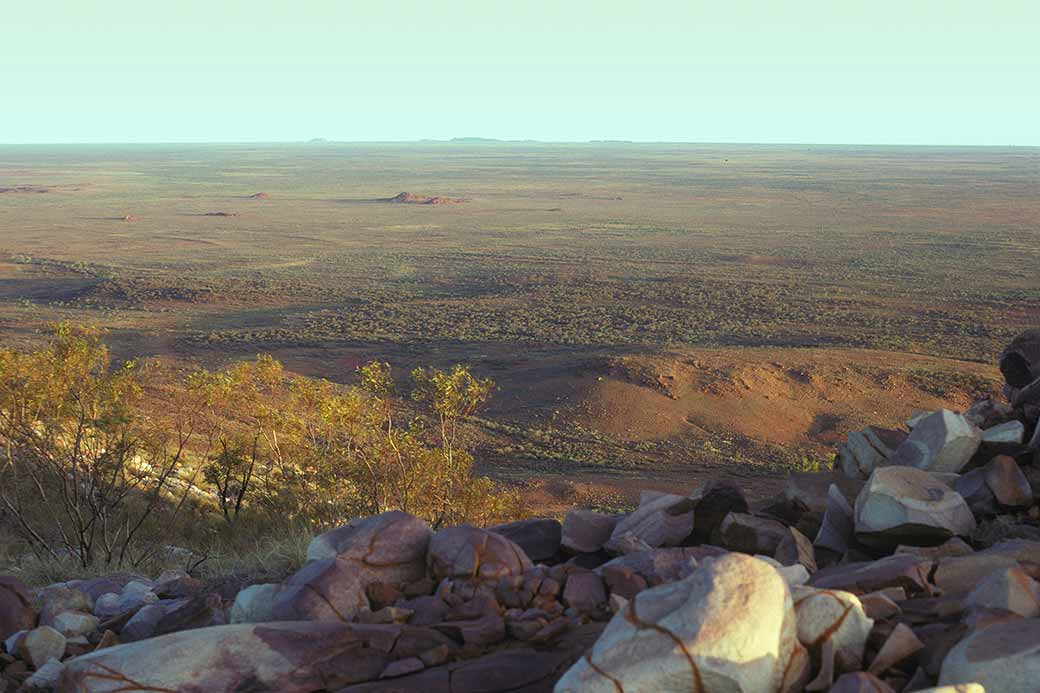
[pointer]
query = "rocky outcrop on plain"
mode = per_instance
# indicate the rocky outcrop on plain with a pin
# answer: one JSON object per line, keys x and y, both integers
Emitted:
{"x": 407, "y": 198}
{"x": 912, "y": 565}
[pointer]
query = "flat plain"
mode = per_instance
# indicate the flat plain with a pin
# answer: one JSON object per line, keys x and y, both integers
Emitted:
{"x": 653, "y": 314}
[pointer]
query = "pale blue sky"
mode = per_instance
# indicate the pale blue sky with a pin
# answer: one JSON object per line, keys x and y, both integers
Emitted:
{"x": 878, "y": 71}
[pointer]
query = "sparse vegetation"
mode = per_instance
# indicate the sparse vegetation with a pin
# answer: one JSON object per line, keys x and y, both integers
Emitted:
{"x": 563, "y": 255}
{"x": 101, "y": 461}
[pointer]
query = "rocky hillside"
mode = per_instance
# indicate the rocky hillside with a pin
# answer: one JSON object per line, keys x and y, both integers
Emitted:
{"x": 911, "y": 566}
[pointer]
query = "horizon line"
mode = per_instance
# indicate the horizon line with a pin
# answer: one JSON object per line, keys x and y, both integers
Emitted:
{"x": 318, "y": 141}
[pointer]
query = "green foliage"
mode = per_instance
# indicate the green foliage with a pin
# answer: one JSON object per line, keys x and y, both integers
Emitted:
{"x": 99, "y": 459}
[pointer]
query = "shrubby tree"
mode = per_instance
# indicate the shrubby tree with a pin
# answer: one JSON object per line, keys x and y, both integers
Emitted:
{"x": 85, "y": 466}
{"x": 99, "y": 459}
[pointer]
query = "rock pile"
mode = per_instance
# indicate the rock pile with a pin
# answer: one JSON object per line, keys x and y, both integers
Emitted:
{"x": 407, "y": 198}
{"x": 912, "y": 566}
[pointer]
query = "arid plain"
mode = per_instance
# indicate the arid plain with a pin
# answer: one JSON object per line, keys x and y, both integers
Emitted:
{"x": 652, "y": 314}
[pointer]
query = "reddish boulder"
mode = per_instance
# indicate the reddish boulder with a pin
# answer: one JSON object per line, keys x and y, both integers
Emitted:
{"x": 16, "y": 612}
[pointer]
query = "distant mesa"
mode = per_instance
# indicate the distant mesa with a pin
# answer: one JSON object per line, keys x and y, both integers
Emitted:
{"x": 407, "y": 198}
{"x": 220, "y": 214}
{"x": 22, "y": 189}
{"x": 259, "y": 196}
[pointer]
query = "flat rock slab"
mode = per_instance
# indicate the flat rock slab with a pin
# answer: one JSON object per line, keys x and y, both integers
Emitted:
{"x": 293, "y": 657}
{"x": 1004, "y": 657}
{"x": 903, "y": 505}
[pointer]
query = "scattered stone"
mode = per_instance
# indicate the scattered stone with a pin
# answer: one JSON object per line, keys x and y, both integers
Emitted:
{"x": 254, "y": 604}
{"x": 940, "y": 442}
{"x": 16, "y": 612}
{"x": 834, "y": 616}
{"x": 837, "y": 529}
{"x": 1009, "y": 589}
{"x": 751, "y": 534}
{"x": 1004, "y": 657}
{"x": 866, "y": 450}
{"x": 664, "y": 521}
{"x": 729, "y": 625}
{"x": 41, "y": 644}
{"x": 878, "y": 605}
{"x": 860, "y": 682}
{"x": 903, "y": 505}
{"x": 900, "y": 570}
{"x": 952, "y": 547}
{"x": 961, "y": 574}
{"x": 586, "y": 531}
{"x": 468, "y": 552}
{"x": 1020, "y": 360}
{"x": 900, "y": 645}
{"x": 796, "y": 549}
{"x": 390, "y": 547}
{"x": 1007, "y": 433}
{"x": 712, "y": 503}
{"x": 1009, "y": 486}
{"x": 45, "y": 678}
{"x": 539, "y": 538}
{"x": 585, "y": 592}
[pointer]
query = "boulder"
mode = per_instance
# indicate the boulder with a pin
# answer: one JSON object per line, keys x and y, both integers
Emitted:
{"x": 666, "y": 520}
{"x": 658, "y": 566}
{"x": 713, "y": 502}
{"x": 469, "y": 552}
{"x": 835, "y": 616}
{"x": 751, "y": 534}
{"x": 1004, "y": 657}
{"x": 857, "y": 458}
{"x": 1020, "y": 360}
{"x": 952, "y": 547}
{"x": 903, "y": 505}
{"x": 900, "y": 644}
{"x": 1007, "y": 433}
{"x": 729, "y": 626}
{"x": 900, "y": 570}
{"x": 58, "y": 600}
{"x": 796, "y": 549}
{"x": 1009, "y": 589}
{"x": 961, "y": 574}
{"x": 325, "y": 590}
{"x": 987, "y": 413}
{"x": 860, "y": 682}
{"x": 254, "y": 604}
{"x": 837, "y": 530}
{"x": 142, "y": 624}
{"x": 539, "y": 538}
{"x": 586, "y": 531}
{"x": 40, "y": 645}
{"x": 46, "y": 677}
{"x": 523, "y": 670}
{"x": 16, "y": 612}
{"x": 286, "y": 657}
{"x": 973, "y": 488}
{"x": 200, "y": 611}
{"x": 390, "y": 547}
{"x": 1008, "y": 484}
{"x": 940, "y": 442}
{"x": 585, "y": 592}
{"x": 72, "y": 624}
